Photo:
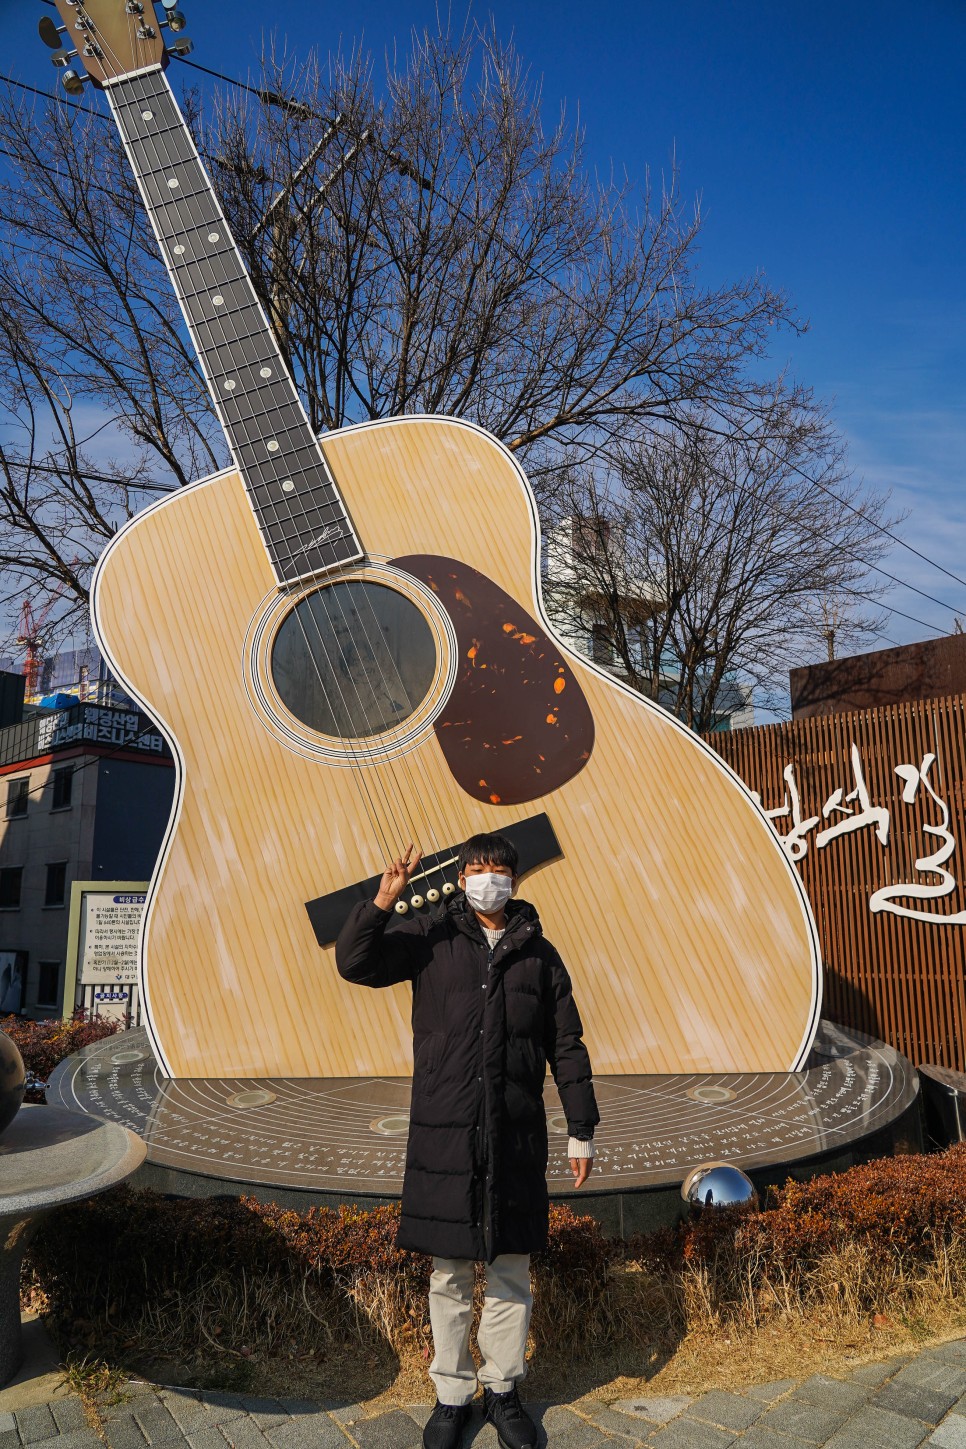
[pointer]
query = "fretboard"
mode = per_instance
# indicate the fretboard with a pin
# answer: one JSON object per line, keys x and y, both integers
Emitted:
{"x": 300, "y": 514}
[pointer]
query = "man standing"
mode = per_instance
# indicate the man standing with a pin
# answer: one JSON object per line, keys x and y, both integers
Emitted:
{"x": 492, "y": 1006}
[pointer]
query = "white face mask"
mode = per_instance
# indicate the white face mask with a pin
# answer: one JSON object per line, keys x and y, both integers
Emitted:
{"x": 488, "y": 892}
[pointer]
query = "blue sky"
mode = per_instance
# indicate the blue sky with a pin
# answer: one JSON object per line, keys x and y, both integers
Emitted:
{"x": 826, "y": 144}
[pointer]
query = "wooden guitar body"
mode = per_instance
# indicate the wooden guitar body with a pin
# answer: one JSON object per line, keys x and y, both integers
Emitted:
{"x": 684, "y": 927}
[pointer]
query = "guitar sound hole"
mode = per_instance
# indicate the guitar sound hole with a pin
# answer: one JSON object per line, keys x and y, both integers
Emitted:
{"x": 353, "y": 659}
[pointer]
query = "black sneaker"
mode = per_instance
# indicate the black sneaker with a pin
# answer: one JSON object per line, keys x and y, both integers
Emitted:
{"x": 444, "y": 1427}
{"x": 514, "y": 1427}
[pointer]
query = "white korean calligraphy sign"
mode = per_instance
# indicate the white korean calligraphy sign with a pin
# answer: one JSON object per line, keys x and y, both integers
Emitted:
{"x": 852, "y": 810}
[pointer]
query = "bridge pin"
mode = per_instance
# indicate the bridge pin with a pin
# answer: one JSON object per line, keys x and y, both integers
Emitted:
{"x": 401, "y": 908}
{"x": 432, "y": 895}
{"x": 449, "y": 889}
{"x": 416, "y": 902}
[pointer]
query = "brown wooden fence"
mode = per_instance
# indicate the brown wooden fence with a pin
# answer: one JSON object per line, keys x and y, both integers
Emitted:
{"x": 872, "y": 807}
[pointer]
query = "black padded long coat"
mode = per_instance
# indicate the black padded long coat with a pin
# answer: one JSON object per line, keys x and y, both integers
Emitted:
{"x": 485, "y": 1026}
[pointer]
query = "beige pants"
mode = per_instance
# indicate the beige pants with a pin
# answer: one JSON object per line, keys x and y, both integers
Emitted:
{"x": 502, "y": 1334}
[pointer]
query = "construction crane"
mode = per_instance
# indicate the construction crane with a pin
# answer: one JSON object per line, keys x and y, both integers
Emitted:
{"x": 30, "y": 639}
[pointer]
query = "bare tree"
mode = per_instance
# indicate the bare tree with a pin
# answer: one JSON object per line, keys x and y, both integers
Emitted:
{"x": 422, "y": 243}
{"x": 706, "y": 558}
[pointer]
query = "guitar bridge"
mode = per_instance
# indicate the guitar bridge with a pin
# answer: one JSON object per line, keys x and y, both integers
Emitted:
{"x": 536, "y": 844}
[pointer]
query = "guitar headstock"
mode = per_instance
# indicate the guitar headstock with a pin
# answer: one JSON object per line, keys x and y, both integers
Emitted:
{"x": 110, "y": 38}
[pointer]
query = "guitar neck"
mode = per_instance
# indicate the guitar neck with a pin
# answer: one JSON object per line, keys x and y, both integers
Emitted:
{"x": 300, "y": 514}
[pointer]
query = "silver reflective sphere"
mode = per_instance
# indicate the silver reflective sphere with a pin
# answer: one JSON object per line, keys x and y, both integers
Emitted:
{"x": 718, "y": 1184}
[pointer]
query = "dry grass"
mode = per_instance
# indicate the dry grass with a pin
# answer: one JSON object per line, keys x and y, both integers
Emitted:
{"x": 864, "y": 1265}
{"x": 646, "y": 1332}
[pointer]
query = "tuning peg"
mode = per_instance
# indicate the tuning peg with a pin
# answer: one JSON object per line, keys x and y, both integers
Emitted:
{"x": 181, "y": 46}
{"x": 62, "y": 57}
{"x": 50, "y": 33}
{"x": 73, "y": 82}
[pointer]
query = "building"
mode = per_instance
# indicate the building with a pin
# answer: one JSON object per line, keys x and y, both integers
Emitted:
{"x": 85, "y": 794}
{"x": 933, "y": 669}
{"x": 584, "y": 583}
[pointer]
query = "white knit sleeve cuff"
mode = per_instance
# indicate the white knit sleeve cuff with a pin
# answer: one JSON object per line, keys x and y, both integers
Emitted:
{"x": 576, "y": 1148}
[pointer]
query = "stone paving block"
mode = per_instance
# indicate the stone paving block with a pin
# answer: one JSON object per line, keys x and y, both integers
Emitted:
{"x": 209, "y": 1438}
{"x": 259, "y": 1406}
{"x": 186, "y": 1408}
{"x": 832, "y": 1393}
{"x": 35, "y": 1424}
{"x": 243, "y": 1433}
{"x": 929, "y": 1405}
{"x": 951, "y": 1433}
{"x": 804, "y": 1420}
{"x": 954, "y": 1352}
{"x": 874, "y": 1374}
{"x": 769, "y": 1392}
{"x": 221, "y": 1409}
{"x": 564, "y": 1428}
{"x": 9, "y": 1439}
{"x": 8, "y": 1424}
{"x": 68, "y": 1414}
{"x": 759, "y": 1438}
{"x": 300, "y": 1406}
{"x": 873, "y": 1428}
{"x": 347, "y": 1413}
{"x": 124, "y": 1433}
{"x": 929, "y": 1372}
{"x": 394, "y": 1430}
{"x": 309, "y": 1431}
{"x": 419, "y": 1413}
{"x": 620, "y": 1424}
{"x": 657, "y": 1410}
{"x": 730, "y": 1411}
{"x": 157, "y": 1424}
{"x": 76, "y": 1439}
{"x": 691, "y": 1434}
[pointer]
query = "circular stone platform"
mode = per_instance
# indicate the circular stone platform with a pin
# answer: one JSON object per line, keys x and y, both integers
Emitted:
{"x": 341, "y": 1138}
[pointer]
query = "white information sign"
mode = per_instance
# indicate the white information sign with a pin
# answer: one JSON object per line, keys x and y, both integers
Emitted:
{"x": 110, "y": 926}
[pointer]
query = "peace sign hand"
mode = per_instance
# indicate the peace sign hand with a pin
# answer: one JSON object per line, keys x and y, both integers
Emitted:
{"x": 396, "y": 877}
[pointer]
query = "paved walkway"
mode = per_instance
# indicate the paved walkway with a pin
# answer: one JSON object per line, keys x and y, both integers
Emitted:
{"x": 897, "y": 1405}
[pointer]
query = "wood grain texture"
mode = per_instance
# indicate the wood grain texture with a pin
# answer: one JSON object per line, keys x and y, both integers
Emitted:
{"x": 685, "y": 929}
{"x": 899, "y": 979}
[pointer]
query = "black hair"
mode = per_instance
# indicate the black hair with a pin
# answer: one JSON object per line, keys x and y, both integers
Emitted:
{"x": 488, "y": 850}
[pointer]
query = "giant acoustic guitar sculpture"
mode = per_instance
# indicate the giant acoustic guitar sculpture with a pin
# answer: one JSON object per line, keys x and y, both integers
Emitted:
{"x": 345, "y": 644}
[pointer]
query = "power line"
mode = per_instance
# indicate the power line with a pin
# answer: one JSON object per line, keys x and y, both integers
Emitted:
{"x": 273, "y": 98}
{"x": 74, "y": 105}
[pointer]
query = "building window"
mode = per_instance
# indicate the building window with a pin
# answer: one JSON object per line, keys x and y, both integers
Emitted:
{"x": 601, "y": 648}
{"x": 11, "y": 877}
{"x": 56, "y": 884}
{"x": 48, "y": 983}
{"x": 17, "y": 792}
{"x": 62, "y": 787}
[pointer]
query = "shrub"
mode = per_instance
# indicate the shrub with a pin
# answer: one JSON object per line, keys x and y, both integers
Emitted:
{"x": 44, "y": 1044}
{"x": 132, "y": 1267}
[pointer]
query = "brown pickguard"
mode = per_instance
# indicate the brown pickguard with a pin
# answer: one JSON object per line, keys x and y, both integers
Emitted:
{"x": 517, "y": 723}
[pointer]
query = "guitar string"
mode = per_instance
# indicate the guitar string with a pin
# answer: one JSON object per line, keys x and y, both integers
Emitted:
{"x": 325, "y": 594}
{"x": 144, "y": 97}
{"x": 323, "y": 599}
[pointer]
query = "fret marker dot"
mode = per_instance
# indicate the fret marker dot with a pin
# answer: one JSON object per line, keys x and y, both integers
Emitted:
{"x": 265, "y": 372}
{"x": 218, "y": 300}
{"x": 230, "y": 385}
{"x": 173, "y": 182}
{"x": 288, "y": 486}
{"x": 213, "y": 236}
{"x": 147, "y": 115}
{"x": 273, "y": 446}
{"x": 179, "y": 251}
